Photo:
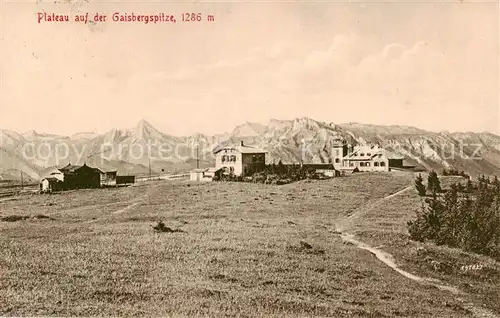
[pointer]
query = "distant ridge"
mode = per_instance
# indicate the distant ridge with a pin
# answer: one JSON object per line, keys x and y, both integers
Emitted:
{"x": 283, "y": 139}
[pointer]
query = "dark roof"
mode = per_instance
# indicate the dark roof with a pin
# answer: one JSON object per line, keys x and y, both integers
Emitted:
{"x": 104, "y": 170}
{"x": 70, "y": 168}
{"x": 98, "y": 170}
{"x": 73, "y": 168}
{"x": 52, "y": 179}
{"x": 241, "y": 149}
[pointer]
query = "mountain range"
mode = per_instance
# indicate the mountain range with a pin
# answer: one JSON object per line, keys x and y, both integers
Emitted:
{"x": 137, "y": 150}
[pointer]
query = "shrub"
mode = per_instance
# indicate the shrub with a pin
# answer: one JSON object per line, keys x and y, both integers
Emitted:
{"x": 464, "y": 217}
{"x": 259, "y": 177}
{"x": 275, "y": 174}
{"x": 162, "y": 228}
{"x": 454, "y": 172}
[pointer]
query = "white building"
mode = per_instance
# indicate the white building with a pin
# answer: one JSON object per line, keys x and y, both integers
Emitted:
{"x": 240, "y": 160}
{"x": 371, "y": 158}
{"x": 340, "y": 151}
{"x": 202, "y": 175}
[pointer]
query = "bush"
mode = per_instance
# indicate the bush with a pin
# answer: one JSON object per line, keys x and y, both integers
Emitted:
{"x": 454, "y": 172}
{"x": 275, "y": 174}
{"x": 464, "y": 217}
{"x": 259, "y": 177}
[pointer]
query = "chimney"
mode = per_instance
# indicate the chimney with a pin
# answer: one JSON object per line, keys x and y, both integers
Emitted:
{"x": 241, "y": 143}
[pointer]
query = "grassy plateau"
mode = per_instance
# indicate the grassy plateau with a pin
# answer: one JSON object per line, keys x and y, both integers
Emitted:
{"x": 243, "y": 249}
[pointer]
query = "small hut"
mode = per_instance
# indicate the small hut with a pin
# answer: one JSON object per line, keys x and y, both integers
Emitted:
{"x": 208, "y": 174}
{"x": 196, "y": 174}
{"x": 49, "y": 184}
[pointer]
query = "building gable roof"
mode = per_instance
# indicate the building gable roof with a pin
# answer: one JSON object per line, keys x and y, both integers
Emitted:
{"x": 248, "y": 149}
{"x": 104, "y": 171}
{"x": 369, "y": 152}
{"x": 74, "y": 168}
{"x": 52, "y": 179}
{"x": 365, "y": 152}
{"x": 70, "y": 168}
{"x": 241, "y": 149}
{"x": 393, "y": 155}
{"x": 99, "y": 170}
{"x": 50, "y": 171}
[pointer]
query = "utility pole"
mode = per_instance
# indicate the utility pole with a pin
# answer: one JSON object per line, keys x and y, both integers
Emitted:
{"x": 22, "y": 181}
{"x": 150, "y": 169}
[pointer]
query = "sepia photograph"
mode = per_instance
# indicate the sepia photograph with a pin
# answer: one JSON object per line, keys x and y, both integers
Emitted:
{"x": 249, "y": 158}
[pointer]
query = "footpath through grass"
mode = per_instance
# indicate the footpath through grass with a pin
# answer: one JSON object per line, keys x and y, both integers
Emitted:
{"x": 246, "y": 249}
{"x": 385, "y": 226}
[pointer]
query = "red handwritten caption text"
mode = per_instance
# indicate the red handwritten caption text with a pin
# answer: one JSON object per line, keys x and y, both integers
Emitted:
{"x": 124, "y": 17}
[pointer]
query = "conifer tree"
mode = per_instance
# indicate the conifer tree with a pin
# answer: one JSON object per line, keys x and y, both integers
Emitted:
{"x": 280, "y": 168}
{"x": 469, "y": 220}
{"x": 433, "y": 183}
{"x": 469, "y": 187}
{"x": 419, "y": 185}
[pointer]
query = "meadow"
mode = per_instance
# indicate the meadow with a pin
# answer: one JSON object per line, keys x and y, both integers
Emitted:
{"x": 242, "y": 249}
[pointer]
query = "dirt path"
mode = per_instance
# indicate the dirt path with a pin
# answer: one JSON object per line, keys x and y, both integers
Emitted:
{"x": 137, "y": 202}
{"x": 346, "y": 224}
{"x": 132, "y": 204}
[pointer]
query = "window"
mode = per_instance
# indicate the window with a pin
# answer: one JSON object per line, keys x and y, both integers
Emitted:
{"x": 382, "y": 164}
{"x": 337, "y": 160}
{"x": 351, "y": 164}
{"x": 367, "y": 164}
{"x": 233, "y": 158}
{"x": 361, "y": 154}
{"x": 361, "y": 164}
{"x": 224, "y": 158}
{"x": 369, "y": 154}
{"x": 375, "y": 164}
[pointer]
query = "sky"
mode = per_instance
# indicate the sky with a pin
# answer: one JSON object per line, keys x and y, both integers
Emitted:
{"x": 425, "y": 64}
